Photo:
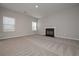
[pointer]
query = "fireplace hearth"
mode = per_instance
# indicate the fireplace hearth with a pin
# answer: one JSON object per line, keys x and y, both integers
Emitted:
{"x": 50, "y": 32}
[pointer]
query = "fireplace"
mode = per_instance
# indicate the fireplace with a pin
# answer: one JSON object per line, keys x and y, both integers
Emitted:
{"x": 50, "y": 32}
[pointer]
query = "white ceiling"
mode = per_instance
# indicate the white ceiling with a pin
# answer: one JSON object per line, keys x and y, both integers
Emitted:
{"x": 44, "y": 9}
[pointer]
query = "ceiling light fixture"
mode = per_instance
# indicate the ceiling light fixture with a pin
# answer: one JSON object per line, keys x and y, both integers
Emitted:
{"x": 36, "y": 6}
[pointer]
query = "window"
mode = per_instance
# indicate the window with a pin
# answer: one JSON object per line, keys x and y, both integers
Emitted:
{"x": 8, "y": 24}
{"x": 34, "y": 24}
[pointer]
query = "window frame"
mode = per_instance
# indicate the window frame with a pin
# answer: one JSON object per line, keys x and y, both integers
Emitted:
{"x": 34, "y": 29}
{"x": 5, "y": 29}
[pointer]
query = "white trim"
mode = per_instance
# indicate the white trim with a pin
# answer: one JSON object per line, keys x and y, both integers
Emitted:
{"x": 39, "y": 34}
{"x": 67, "y": 37}
{"x": 14, "y": 36}
{"x": 60, "y": 36}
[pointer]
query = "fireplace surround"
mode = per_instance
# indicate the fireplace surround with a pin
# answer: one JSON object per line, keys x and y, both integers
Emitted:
{"x": 50, "y": 32}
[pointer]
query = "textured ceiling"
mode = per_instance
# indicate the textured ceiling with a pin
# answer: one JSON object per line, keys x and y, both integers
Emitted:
{"x": 44, "y": 9}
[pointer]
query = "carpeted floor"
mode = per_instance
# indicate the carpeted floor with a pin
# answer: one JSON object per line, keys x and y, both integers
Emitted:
{"x": 37, "y": 45}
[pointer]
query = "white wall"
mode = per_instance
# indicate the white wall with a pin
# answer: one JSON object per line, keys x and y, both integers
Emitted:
{"x": 0, "y": 26}
{"x": 66, "y": 23}
{"x": 23, "y": 23}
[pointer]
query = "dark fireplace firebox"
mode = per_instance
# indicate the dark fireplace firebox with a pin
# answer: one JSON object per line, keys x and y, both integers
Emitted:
{"x": 50, "y": 32}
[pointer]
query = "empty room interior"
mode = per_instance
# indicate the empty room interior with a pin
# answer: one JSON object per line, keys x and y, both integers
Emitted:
{"x": 39, "y": 29}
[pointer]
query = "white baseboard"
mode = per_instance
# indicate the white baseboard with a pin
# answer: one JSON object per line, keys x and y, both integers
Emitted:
{"x": 66, "y": 37}
{"x": 14, "y": 36}
{"x": 61, "y": 36}
{"x": 39, "y": 34}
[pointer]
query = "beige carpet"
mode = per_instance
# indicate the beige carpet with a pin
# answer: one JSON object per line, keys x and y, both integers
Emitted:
{"x": 37, "y": 45}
